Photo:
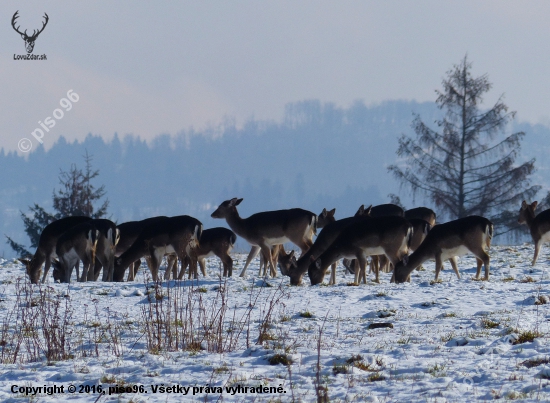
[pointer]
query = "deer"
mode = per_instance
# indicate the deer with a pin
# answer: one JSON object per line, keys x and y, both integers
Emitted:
{"x": 377, "y": 262}
{"x": 108, "y": 238}
{"x": 423, "y": 213}
{"x": 45, "y": 252}
{"x": 325, "y": 238}
{"x": 539, "y": 225}
{"x": 76, "y": 244}
{"x": 389, "y": 235}
{"x": 174, "y": 235}
{"x": 287, "y": 260}
{"x": 266, "y": 229}
{"x": 29, "y": 40}
{"x": 129, "y": 231}
{"x": 446, "y": 241}
{"x": 218, "y": 242}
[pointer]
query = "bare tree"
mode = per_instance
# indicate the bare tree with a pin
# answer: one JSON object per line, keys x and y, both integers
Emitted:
{"x": 465, "y": 166}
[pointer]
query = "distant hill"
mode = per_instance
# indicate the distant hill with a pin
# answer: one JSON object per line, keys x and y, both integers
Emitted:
{"x": 318, "y": 156}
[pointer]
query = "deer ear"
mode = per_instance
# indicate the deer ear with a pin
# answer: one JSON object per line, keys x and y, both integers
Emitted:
{"x": 368, "y": 210}
{"x": 405, "y": 260}
{"x": 235, "y": 202}
{"x": 318, "y": 263}
{"x": 534, "y": 204}
{"x": 291, "y": 254}
{"x": 331, "y": 212}
{"x": 312, "y": 258}
{"x": 324, "y": 212}
{"x": 523, "y": 204}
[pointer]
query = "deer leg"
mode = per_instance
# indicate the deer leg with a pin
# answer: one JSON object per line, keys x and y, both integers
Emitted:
{"x": 228, "y": 264}
{"x": 360, "y": 272}
{"x": 253, "y": 252}
{"x": 454, "y": 266}
{"x": 185, "y": 262}
{"x": 332, "y": 274}
{"x": 538, "y": 244}
{"x": 486, "y": 262}
{"x": 266, "y": 251}
{"x": 153, "y": 263}
{"x": 202, "y": 264}
{"x": 47, "y": 265}
{"x": 438, "y": 265}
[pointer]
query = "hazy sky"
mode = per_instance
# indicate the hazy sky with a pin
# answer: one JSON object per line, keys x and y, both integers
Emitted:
{"x": 159, "y": 67}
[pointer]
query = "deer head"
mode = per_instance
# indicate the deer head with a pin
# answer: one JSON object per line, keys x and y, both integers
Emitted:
{"x": 29, "y": 40}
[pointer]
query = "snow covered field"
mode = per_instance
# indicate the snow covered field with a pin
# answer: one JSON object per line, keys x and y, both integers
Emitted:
{"x": 453, "y": 341}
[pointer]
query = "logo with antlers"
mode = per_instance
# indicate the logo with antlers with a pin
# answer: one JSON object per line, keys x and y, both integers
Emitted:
{"x": 29, "y": 39}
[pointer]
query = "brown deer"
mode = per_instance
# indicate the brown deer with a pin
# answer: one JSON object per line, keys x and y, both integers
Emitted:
{"x": 325, "y": 238}
{"x": 129, "y": 232}
{"x": 108, "y": 238}
{"x": 214, "y": 241}
{"x": 539, "y": 225}
{"x": 446, "y": 241}
{"x": 45, "y": 252}
{"x": 286, "y": 260}
{"x": 76, "y": 244}
{"x": 423, "y": 213}
{"x": 174, "y": 235}
{"x": 266, "y": 229}
{"x": 390, "y": 236}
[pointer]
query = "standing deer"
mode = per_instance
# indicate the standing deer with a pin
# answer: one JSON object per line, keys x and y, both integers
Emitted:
{"x": 175, "y": 235}
{"x": 539, "y": 225}
{"x": 108, "y": 238}
{"x": 455, "y": 238}
{"x": 390, "y": 236}
{"x": 423, "y": 213}
{"x": 76, "y": 244}
{"x": 286, "y": 260}
{"x": 129, "y": 232}
{"x": 266, "y": 229}
{"x": 45, "y": 252}
{"x": 217, "y": 241}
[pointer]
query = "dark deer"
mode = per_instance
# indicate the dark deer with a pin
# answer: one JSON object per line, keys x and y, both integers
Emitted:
{"x": 214, "y": 241}
{"x": 174, "y": 235}
{"x": 323, "y": 241}
{"x": 129, "y": 232}
{"x": 390, "y": 236}
{"x": 539, "y": 225}
{"x": 444, "y": 241}
{"x": 77, "y": 244}
{"x": 45, "y": 251}
{"x": 29, "y": 40}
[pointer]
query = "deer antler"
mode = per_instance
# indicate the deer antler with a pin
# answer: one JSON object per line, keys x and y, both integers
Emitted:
{"x": 15, "y": 16}
{"x": 34, "y": 35}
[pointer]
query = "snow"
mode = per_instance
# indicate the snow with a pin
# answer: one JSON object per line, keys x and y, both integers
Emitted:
{"x": 451, "y": 341}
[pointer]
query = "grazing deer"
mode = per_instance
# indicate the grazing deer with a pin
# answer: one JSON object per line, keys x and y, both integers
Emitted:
{"x": 214, "y": 241}
{"x": 174, "y": 235}
{"x": 287, "y": 261}
{"x": 423, "y": 213}
{"x": 539, "y": 225}
{"x": 76, "y": 244}
{"x": 446, "y": 241}
{"x": 45, "y": 252}
{"x": 129, "y": 232}
{"x": 325, "y": 238}
{"x": 390, "y": 236}
{"x": 266, "y": 229}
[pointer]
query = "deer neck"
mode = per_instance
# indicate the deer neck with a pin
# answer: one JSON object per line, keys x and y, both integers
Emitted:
{"x": 237, "y": 223}
{"x": 529, "y": 217}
